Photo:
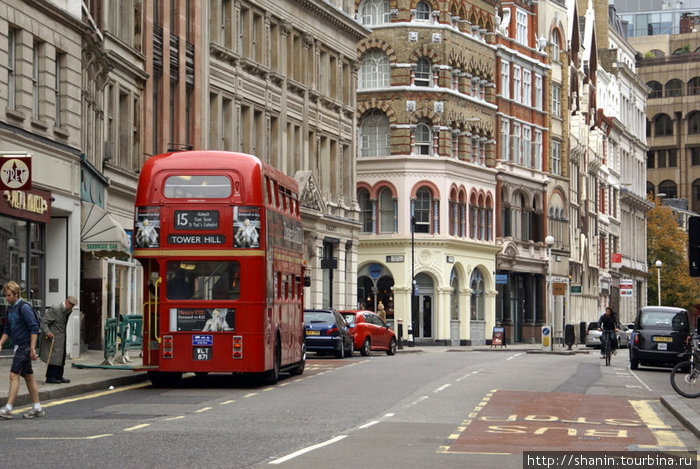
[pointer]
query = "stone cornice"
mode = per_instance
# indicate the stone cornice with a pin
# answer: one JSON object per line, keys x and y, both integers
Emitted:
{"x": 335, "y": 18}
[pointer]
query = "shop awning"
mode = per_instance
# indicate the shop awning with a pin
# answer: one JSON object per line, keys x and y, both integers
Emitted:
{"x": 101, "y": 234}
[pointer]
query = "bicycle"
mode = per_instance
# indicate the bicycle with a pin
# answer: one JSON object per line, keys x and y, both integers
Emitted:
{"x": 605, "y": 345}
{"x": 685, "y": 376}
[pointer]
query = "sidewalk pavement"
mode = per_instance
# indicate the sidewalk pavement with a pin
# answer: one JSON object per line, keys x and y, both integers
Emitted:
{"x": 86, "y": 377}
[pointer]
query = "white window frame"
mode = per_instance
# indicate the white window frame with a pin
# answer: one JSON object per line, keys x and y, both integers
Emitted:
{"x": 374, "y": 71}
{"x": 505, "y": 79}
{"x": 537, "y": 149}
{"x": 505, "y": 140}
{"x": 527, "y": 87}
{"x": 371, "y": 132}
{"x": 556, "y": 157}
{"x": 517, "y": 152}
{"x": 517, "y": 85}
{"x": 556, "y": 100}
{"x": 527, "y": 146}
{"x": 374, "y": 12}
{"x": 538, "y": 91}
{"x": 425, "y": 78}
{"x": 521, "y": 33}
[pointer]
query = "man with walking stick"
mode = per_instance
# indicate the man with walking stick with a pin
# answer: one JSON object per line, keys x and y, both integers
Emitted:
{"x": 53, "y": 347}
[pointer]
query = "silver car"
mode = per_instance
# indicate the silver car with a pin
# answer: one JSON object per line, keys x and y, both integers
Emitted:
{"x": 593, "y": 336}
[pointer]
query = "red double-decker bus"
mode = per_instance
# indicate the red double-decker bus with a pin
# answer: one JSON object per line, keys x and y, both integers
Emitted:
{"x": 219, "y": 236}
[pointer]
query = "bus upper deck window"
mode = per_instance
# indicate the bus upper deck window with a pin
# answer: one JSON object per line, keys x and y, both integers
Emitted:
{"x": 197, "y": 187}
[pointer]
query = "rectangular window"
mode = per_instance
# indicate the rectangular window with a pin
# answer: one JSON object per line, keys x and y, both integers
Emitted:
{"x": 556, "y": 157}
{"x": 505, "y": 79}
{"x": 11, "y": 77}
{"x": 651, "y": 160}
{"x": 505, "y": 133}
{"x": 538, "y": 91}
{"x": 527, "y": 146}
{"x": 556, "y": 100}
{"x": 672, "y": 160}
{"x": 35, "y": 81}
{"x": 694, "y": 156}
{"x": 515, "y": 141}
{"x": 521, "y": 27}
{"x": 537, "y": 150}
{"x": 59, "y": 65}
{"x": 661, "y": 159}
{"x": 517, "y": 85}
{"x": 527, "y": 87}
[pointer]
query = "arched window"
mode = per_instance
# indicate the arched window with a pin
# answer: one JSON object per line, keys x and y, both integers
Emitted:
{"x": 524, "y": 219}
{"x": 422, "y": 210}
{"x": 477, "y": 297}
{"x": 422, "y": 11}
{"x": 674, "y": 88}
{"x": 374, "y": 131}
{"x": 669, "y": 188}
{"x": 365, "y": 210}
{"x": 694, "y": 86}
{"x": 454, "y": 295}
{"x": 424, "y": 72}
{"x": 473, "y": 217}
{"x": 663, "y": 126}
{"x": 374, "y": 12}
{"x": 453, "y": 214}
{"x": 423, "y": 138}
{"x": 489, "y": 219}
{"x": 506, "y": 215}
{"x": 387, "y": 210}
{"x": 556, "y": 45}
{"x": 656, "y": 89}
{"x": 374, "y": 71}
{"x": 694, "y": 123}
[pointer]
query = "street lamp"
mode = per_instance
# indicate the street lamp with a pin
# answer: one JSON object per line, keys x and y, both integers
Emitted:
{"x": 658, "y": 278}
{"x": 549, "y": 241}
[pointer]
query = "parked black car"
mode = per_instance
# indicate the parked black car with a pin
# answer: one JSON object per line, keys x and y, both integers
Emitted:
{"x": 659, "y": 336}
{"x": 327, "y": 332}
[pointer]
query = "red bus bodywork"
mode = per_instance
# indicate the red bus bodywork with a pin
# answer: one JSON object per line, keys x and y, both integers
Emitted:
{"x": 219, "y": 236}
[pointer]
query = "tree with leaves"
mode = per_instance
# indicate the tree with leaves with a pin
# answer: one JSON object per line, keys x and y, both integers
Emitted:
{"x": 668, "y": 242}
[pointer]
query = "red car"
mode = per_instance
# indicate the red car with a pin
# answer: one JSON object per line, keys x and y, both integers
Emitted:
{"x": 369, "y": 332}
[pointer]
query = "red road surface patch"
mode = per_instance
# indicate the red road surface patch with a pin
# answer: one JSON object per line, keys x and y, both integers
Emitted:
{"x": 517, "y": 421}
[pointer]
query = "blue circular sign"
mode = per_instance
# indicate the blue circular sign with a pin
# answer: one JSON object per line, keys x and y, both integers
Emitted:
{"x": 375, "y": 270}
{"x": 545, "y": 331}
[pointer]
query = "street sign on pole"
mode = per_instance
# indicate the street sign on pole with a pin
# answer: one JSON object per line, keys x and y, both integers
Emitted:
{"x": 626, "y": 287}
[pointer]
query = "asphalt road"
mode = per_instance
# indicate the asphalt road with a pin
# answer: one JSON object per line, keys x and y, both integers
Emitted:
{"x": 440, "y": 409}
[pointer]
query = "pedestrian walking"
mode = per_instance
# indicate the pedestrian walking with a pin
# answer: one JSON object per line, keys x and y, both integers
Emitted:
{"x": 53, "y": 347}
{"x": 23, "y": 328}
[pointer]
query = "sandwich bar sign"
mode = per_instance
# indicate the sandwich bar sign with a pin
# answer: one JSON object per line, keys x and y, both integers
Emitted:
{"x": 15, "y": 172}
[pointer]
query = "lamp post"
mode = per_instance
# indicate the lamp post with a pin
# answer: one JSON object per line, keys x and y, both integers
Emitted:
{"x": 658, "y": 278}
{"x": 549, "y": 241}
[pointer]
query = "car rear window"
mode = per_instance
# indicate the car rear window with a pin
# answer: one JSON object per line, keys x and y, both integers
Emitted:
{"x": 592, "y": 325}
{"x": 662, "y": 320}
{"x": 318, "y": 316}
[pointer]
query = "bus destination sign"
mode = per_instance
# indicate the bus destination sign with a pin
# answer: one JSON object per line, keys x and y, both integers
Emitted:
{"x": 196, "y": 239}
{"x": 196, "y": 219}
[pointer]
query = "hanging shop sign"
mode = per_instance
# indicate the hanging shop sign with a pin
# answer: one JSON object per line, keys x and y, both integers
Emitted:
{"x": 15, "y": 172}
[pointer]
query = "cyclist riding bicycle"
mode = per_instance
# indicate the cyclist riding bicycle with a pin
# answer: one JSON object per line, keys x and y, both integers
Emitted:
{"x": 609, "y": 326}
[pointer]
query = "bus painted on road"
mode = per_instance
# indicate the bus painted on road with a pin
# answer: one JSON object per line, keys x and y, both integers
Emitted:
{"x": 220, "y": 239}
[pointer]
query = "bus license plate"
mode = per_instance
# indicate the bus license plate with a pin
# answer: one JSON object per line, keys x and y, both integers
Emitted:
{"x": 201, "y": 353}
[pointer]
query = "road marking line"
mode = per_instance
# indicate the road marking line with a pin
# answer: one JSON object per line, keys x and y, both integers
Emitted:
{"x": 203, "y": 409}
{"x": 442, "y": 388}
{"x": 663, "y": 433}
{"x": 422, "y": 398}
{"x": 516, "y": 355}
{"x": 93, "y": 437}
{"x": 268, "y": 389}
{"x": 640, "y": 380}
{"x": 87, "y": 396}
{"x": 307, "y": 449}
{"x": 136, "y": 427}
{"x": 391, "y": 414}
{"x": 368, "y": 424}
{"x": 227, "y": 402}
{"x": 251, "y": 394}
{"x": 174, "y": 418}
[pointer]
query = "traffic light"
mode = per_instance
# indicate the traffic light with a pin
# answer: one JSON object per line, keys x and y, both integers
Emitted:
{"x": 694, "y": 246}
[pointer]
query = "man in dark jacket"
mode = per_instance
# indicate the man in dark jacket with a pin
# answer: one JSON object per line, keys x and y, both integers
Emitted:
{"x": 53, "y": 347}
{"x": 609, "y": 326}
{"x": 22, "y": 327}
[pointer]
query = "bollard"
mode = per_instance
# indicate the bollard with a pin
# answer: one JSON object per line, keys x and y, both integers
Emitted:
{"x": 411, "y": 343}
{"x": 569, "y": 336}
{"x": 399, "y": 333}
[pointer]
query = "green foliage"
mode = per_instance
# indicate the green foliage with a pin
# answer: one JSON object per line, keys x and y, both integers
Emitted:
{"x": 667, "y": 242}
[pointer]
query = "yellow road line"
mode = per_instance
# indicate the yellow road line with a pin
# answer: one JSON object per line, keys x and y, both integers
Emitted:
{"x": 87, "y": 396}
{"x": 93, "y": 437}
{"x": 663, "y": 433}
{"x": 136, "y": 427}
{"x": 203, "y": 409}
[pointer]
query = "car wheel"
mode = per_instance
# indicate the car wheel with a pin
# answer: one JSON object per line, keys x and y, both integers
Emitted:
{"x": 392, "y": 347}
{"x": 348, "y": 352}
{"x": 340, "y": 353}
{"x": 366, "y": 348}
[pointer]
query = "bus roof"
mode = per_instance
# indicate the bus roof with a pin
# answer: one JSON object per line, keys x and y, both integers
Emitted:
{"x": 247, "y": 165}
